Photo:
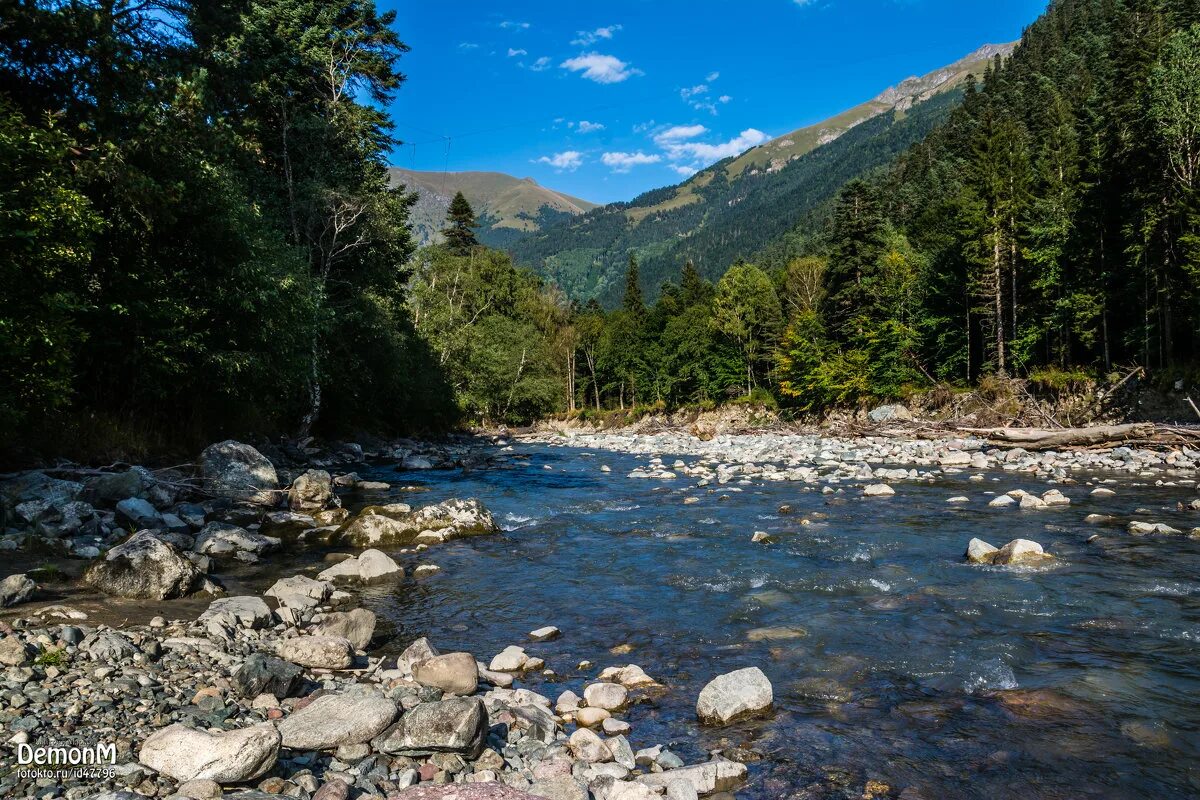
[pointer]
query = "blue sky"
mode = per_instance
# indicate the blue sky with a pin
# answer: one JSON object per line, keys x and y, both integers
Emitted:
{"x": 606, "y": 100}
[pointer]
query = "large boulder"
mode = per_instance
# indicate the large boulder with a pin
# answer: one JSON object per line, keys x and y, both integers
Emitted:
{"x": 453, "y": 673}
{"x": 220, "y": 540}
{"x": 457, "y": 725}
{"x": 16, "y": 589}
{"x": 734, "y": 695}
{"x": 238, "y": 471}
{"x": 333, "y": 720}
{"x": 262, "y": 673}
{"x": 246, "y": 611}
{"x": 311, "y": 491}
{"x": 113, "y": 486}
{"x": 320, "y": 652}
{"x": 399, "y": 525}
{"x": 146, "y": 567}
{"x": 186, "y": 754}
{"x": 357, "y": 626}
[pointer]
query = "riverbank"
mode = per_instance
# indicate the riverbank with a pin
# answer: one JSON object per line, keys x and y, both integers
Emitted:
{"x": 644, "y": 550}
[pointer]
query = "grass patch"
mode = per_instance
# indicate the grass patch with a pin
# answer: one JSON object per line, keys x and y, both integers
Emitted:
{"x": 51, "y": 657}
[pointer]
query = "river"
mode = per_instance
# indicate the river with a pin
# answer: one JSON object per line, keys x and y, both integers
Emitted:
{"x": 892, "y": 659}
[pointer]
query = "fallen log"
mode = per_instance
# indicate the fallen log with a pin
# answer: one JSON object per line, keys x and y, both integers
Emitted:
{"x": 1043, "y": 439}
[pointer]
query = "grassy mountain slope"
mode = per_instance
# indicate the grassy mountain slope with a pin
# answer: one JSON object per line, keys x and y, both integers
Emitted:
{"x": 506, "y": 207}
{"x": 738, "y": 206}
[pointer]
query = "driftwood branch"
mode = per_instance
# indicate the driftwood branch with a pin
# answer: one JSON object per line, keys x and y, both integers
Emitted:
{"x": 1041, "y": 439}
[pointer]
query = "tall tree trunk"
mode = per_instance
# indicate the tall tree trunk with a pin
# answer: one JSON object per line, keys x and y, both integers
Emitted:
{"x": 998, "y": 282}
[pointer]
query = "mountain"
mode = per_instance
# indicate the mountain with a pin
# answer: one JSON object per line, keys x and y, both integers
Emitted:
{"x": 738, "y": 206}
{"x": 506, "y": 207}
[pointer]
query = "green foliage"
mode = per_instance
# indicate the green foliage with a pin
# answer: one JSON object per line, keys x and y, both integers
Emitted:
{"x": 196, "y": 223}
{"x": 746, "y": 309}
{"x": 494, "y": 331}
{"x": 46, "y": 230}
{"x": 51, "y": 657}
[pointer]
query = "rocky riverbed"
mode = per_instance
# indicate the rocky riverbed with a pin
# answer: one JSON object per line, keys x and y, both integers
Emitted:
{"x": 773, "y": 615}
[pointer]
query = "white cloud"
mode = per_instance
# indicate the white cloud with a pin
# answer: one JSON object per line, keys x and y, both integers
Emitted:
{"x": 724, "y": 98}
{"x": 587, "y": 127}
{"x": 708, "y": 153}
{"x": 642, "y": 127}
{"x": 693, "y": 91}
{"x": 684, "y": 171}
{"x": 712, "y": 76}
{"x": 467, "y": 46}
{"x": 600, "y": 68}
{"x": 510, "y": 25}
{"x": 512, "y": 52}
{"x": 541, "y": 64}
{"x": 623, "y": 162}
{"x": 569, "y": 160}
{"x": 678, "y": 133}
{"x": 587, "y": 38}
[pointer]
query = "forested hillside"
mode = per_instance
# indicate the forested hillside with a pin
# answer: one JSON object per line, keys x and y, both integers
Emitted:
{"x": 1053, "y": 221}
{"x": 197, "y": 233}
{"x": 740, "y": 205}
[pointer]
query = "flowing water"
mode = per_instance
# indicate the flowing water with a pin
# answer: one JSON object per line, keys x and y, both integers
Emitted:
{"x": 892, "y": 659}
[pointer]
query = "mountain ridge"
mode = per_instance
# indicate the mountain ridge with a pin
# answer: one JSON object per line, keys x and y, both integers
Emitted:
{"x": 735, "y": 208}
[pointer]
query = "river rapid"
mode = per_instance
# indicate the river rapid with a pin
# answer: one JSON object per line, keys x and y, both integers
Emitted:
{"x": 892, "y": 659}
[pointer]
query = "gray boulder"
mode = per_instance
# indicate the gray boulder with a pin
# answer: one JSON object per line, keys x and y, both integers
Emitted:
{"x": 114, "y": 486}
{"x": 138, "y": 513}
{"x": 16, "y": 589}
{"x": 357, "y": 626}
{"x": 145, "y": 567}
{"x": 457, "y": 725}
{"x": 262, "y": 673}
{"x": 397, "y": 525}
{"x": 299, "y": 591}
{"x": 453, "y": 673}
{"x": 246, "y": 611}
{"x": 220, "y": 539}
{"x": 321, "y": 652}
{"x": 734, "y": 695}
{"x": 186, "y": 754}
{"x": 334, "y": 720}
{"x": 238, "y": 471}
{"x": 311, "y": 491}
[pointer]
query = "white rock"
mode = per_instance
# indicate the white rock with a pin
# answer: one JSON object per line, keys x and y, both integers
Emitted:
{"x": 734, "y": 695}
{"x": 510, "y": 659}
{"x": 186, "y": 754}
{"x": 609, "y": 696}
{"x": 879, "y": 490}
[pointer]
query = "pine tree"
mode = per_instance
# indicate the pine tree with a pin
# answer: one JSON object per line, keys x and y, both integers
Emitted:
{"x": 460, "y": 225}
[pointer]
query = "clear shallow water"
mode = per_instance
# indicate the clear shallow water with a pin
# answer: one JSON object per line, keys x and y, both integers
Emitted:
{"x": 911, "y": 667}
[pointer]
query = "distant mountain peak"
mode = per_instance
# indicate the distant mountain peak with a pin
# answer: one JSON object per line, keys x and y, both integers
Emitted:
{"x": 506, "y": 207}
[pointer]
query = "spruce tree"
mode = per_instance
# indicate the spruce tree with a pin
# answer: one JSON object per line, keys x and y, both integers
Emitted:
{"x": 460, "y": 226}
{"x": 692, "y": 288}
{"x": 633, "y": 301}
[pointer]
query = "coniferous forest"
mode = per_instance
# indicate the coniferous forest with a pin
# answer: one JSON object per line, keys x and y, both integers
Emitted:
{"x": 197, "y": 236}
